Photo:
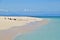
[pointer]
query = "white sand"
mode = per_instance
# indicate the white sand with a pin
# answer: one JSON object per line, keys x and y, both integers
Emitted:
{"x": 5, "y": 23}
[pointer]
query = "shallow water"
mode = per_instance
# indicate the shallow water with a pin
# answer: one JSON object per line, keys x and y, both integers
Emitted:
{"x": 51, "y": 31}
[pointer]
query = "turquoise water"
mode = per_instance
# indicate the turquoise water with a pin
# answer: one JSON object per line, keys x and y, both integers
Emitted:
{"x": 51, "y": 31}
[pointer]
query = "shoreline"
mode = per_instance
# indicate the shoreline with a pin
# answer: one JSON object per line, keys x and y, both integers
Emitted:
{"x": 11, "y": 33}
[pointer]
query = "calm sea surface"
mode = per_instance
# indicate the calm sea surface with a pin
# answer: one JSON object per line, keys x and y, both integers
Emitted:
{"x": 51, "y": 31}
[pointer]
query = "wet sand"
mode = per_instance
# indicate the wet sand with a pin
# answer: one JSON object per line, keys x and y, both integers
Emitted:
{"x": 11, "y": 33}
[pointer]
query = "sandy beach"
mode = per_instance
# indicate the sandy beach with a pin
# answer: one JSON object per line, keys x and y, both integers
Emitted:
{"x": 12, "y": 26}
{"x": 6, "y": 23}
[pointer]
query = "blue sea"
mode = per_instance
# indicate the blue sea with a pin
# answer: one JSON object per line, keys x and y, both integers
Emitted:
{"x": 51, "y": 31}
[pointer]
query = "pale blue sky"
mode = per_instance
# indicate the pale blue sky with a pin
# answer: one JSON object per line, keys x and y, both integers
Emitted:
{"x": 39, "y": 5}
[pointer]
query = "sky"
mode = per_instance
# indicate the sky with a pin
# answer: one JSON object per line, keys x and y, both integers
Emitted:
{"x": 30, "y": 6}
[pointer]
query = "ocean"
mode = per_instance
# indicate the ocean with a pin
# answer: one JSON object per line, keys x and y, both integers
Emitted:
{"x": 51, "y": 31}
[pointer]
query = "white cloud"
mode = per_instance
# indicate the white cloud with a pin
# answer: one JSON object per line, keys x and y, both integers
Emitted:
{"x": 3, "y": 10}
